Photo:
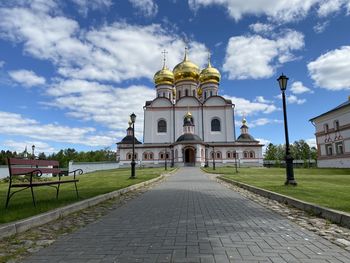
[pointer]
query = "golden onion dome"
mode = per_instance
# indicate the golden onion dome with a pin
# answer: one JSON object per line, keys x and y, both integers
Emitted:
{"x": 210, "y": 74}
{"x": 164, "y": 76}
{"x": 186, "y": 70}
{"x": 188, "y": 115}
{"x": 199, "y": 92}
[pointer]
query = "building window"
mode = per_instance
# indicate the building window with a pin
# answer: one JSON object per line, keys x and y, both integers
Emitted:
{"x": 211, "y": 93}
{"x": 161, "y": 156}
{"x": 326, "y": 128}
{"x": 336, "y": 125}
{"x": 145, "y": 156}
{"x": 167, "y": 155}
{"x": 128, "y": 156}
{"x": 245, "y": 154}
{"x": 151, "y": 156}
{"x": 212, "y": 155}
{"x": 205, "y": 95}
{"x": 161, "y": 126}
{"x": 228, "y": 155}
{"x": 215, "y": 125}
{"x": 218, "y": 155}
{"x": 251, "y": 154}
{"x": 339, "y": 148}
{"x": 186, "y": 92}
{"x": 179, "y": 94}
{"x": 329, "y": 149}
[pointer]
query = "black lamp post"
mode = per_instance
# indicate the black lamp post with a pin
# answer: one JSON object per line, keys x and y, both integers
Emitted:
{"x": 213, "y": 157}
{"x": 33, "y": 149}
{"x": 172, "y": 155}
{"x": 236, "y": 161}
{"x": 133, "y": 118}
{"x": 206, "y": 155}
{"x": 282, "y": 81}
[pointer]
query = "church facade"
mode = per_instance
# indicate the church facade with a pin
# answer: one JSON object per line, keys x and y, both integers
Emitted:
{"x": 189, "y": 124}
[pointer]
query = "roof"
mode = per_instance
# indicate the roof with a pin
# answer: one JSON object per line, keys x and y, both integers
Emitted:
{"x": 189, "y": 137}
{"x": 246, "y": 138}
{"x": 128, "y": 140}
{"x": 343, "y": 105}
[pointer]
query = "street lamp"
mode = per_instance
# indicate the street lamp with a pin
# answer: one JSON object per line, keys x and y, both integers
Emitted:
{"x": 236, "y": 161}
{"x": 33, "y": 149}
{"x": 213, "y": 157}
{"x": 133, "y": 118}
{"x": 282, "y": 81}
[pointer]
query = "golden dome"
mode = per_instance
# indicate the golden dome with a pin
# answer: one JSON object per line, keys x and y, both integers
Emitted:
{"x": 186, "y": 70}
{"x": 199, "y": 92}
{"x": 209, "y": 74}
{"x": 188, "y": 115}
{"x": 164, "y": 76}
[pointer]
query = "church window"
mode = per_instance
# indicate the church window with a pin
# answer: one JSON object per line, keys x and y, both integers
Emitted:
{"x": 251, "y": 154}
{"x": 218, "y": 155}
{"x": 179, "y": 93}
{"x": 145, "y": 156}
{"x": 151, "y": 156}
{"x": 339, "y": 148}
{"x": 161, "y": 126}
{"x": 205, "y": 95}
{"x": 193, "y": 93}
{"x": 167, "y": 155}
{"x": 329, "y": 149}
{"x": 245, "y": 154}
{"x": 186, "y": 92}
{"x": 215, "y": 125}
{"x": 326, "y": 128}
{"x": 161, "y": 156}
{"x": 212, "y": 155}
{"x": 228, "y": 155}
{"x": 211, "y": 93}
{"x": 336, "y": 125}
{"x": 128, "y": 156}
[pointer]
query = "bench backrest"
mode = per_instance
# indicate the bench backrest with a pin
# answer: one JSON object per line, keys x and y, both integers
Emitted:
{"x": 23, "y": 166}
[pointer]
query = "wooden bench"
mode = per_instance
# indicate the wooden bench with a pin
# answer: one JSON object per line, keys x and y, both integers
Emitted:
{"x": 30, "y": 170}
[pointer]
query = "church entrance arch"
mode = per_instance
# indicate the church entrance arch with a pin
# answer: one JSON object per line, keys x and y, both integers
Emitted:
{"x": 189, "y": 156}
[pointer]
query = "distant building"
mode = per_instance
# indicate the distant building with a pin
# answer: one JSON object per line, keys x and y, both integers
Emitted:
{"x": 189, "y": 124}
{"x": 333, "y": 136}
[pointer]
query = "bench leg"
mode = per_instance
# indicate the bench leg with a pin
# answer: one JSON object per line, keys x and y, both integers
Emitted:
{"x": 8, "y": 197}
{"x": 31, "y": 188}
{"x": 57, "y": 191}
{"x": 76, "y": 189}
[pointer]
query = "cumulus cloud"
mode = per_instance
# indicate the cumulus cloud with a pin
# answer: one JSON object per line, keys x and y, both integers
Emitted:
{"x": 261, "y": 99}
{"x": 19, "y": 146}
{"x": 298, "y": 88}
{"x": 115, "y": 52}
{"x": 263, "y": 121}
{"x": 320, "y": 27}
{"x": 256, "y": 57}
{"x": 261, "y": 28}
{"x": 276, "y": 10}
{"x": 291, "y": 99}
{"x": 311, "y": 142}
{"x": 86, "y": 5}
{"x": 246, "y": 107}
{"x": 332, "y": 69}
{"x": 147, "y": 7}
{"x": 16, "y": 124}
{"x": 27, "y": 78}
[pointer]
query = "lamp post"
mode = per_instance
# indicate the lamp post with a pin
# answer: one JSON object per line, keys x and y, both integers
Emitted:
{"x": 33, "y": 149}
{"x": 133, "y": 118}
{"x": 236, "y": 161}
{"x": 206, "y": 155}
{"x": 282, "y": 81}
{"x": 213, "y": 157}
{"x": 172, "y": 155}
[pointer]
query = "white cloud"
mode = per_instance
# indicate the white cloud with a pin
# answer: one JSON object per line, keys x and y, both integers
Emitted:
{"x": 320, "y": 27}
{"x": 15, "y": 124}
{"x": 276, "y": 10}
{"x": 246, "y": 107}
{"x": 261, "y": 99}
{"x": 147, "y": 7}
{"x": 263, "y": 121}
{"x": 103, "y": 104}
{"x": 291, "y": 99}
{"x": 114, "y": 52}
{"x": 298, "y": 88}
{"x": 257, "y": 57}
{"x": 2, "y": 63}
{"x": 311, "y": 142}
{"x": 332, "y": 69}
{"x": 86, "y": 5}
{"x": 27, "y": 78}
{"x": 261, "y": 28}
{"x": 20, "y": 146}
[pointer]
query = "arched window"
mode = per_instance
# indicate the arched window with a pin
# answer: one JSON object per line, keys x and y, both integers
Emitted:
{"x": 336, "y": 125}
{"x": 251, "y": 154}
{"x": 145, "y": 156}
{"x": 212, "y": 155}
{"x": 228, "y": 155}
{"x": 245, "y": 154}
{"x": 186, "y": 92}
{"x": 128, "y": 156}
{"x": 218, "y": 155}
{"x": 151, "y": 156}
{"x": 326, "y": 128}
{"x": 211, "y": 93}
{"x": 215, "y": 125}
{"x": 161, "y": 126}
{"x": 167, "y": 155}
{"x": 161, "y": 155}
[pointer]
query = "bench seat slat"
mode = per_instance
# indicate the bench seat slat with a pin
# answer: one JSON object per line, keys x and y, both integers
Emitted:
{"x": 44, "y": 183}
{"x": 25, "y": 170}
{"x": 15, "y": 161}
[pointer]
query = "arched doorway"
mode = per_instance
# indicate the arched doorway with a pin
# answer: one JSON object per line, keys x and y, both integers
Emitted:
{"x": 189, "y": 156}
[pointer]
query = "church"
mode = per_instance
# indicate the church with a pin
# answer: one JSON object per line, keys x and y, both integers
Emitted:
{"x": 189, "y": 124}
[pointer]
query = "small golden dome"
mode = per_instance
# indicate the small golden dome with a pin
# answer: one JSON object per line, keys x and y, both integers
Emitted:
{"x": 209, "y": 74}
{"x": 188, "y": 115}
{"x": 186, "y": 70}
{"x": 164, "y": 76}
{"x": 199, "y": 92}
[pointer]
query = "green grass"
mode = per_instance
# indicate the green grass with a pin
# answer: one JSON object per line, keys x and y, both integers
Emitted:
{"x": 326, "y": 187}
{"x": 89, "y": 185}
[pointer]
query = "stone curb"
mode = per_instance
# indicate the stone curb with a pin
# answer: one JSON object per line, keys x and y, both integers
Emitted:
{"x": 19, "y": 226}
{"x": 338, "y": 217}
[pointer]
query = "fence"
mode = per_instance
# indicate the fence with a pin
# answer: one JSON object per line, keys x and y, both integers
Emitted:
{"x": 89, "y": 167}
{"x": 296, "y": 163}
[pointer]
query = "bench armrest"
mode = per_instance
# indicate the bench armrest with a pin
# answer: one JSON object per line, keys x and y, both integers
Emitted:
{"x": 75, "y": 173}
{"x": 36, "y": 172}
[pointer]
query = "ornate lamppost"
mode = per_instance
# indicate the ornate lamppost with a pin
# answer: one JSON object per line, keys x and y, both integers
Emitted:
{"x": 133, "y": 118}
{"x": 33, "y": 149}
{"x": 213, "y": 157}
{"x": 236, "y": 161}
{"x": 282, "y": 81}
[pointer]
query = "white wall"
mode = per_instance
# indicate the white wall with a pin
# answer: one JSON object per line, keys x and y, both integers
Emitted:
{"x": 334, "y": 163}
{"x": 4, "y": 171}
{"x": 89, "y": 167}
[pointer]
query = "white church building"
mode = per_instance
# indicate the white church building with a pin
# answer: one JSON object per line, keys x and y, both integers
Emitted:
{"x": 189, "y": 124}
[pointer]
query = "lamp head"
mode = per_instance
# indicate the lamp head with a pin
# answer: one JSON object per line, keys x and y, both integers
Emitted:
{"x": 282, "y": 81}
{"x": 133, "y": 117}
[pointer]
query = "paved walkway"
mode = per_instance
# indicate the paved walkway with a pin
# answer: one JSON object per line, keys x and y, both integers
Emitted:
{"x": 190, "y": 218}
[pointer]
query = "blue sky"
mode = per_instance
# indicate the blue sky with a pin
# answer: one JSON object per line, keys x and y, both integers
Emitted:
{"x": 72, "y": 71}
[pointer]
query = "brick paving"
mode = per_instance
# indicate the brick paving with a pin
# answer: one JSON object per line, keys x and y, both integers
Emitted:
{"x": 190, "y": 218}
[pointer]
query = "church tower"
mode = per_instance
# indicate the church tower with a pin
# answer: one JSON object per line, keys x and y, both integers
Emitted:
{"x": 209, "y": 81}
{"x": 164, "y": 81}
{"x": 186, "y": 76}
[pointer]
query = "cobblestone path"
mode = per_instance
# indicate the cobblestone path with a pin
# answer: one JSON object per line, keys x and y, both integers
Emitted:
{"x": 190, "y": 218}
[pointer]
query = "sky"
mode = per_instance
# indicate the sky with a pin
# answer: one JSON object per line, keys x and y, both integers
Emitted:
{"x": 72, "y": 71}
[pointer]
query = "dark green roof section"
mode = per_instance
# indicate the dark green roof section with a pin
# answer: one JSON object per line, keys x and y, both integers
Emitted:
{"x": 343, "y": 105}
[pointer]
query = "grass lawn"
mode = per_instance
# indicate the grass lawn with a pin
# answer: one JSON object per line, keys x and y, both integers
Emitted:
{"x": 326, "y": 187}
{"x": 89, "y": 185}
